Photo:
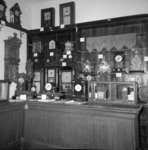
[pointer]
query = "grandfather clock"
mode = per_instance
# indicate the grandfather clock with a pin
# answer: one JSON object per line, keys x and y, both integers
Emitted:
{"x": 2, "y": 10}
{"x": 15, "y": 15}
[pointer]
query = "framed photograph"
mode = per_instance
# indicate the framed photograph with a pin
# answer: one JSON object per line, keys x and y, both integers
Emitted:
{"x": 48, "y": 17}
{"x": 67, "y": 13}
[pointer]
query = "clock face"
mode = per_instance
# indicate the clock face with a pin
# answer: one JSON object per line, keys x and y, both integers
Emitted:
{"x": 118, "y": 58}
{"x": 78, "y": 87}
{"x": 48, "y": 86}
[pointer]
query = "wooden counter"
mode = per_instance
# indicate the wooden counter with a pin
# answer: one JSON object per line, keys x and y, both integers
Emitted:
{"x": 11, "y": 125}
{"x": 49, "y": 125}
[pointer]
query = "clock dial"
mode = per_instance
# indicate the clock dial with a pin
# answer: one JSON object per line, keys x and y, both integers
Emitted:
{"x": 118, "y": 58}
{"x": 78, "y": 87}
{"x": 48, "y": 86}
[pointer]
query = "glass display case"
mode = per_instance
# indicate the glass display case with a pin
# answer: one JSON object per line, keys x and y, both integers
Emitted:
{"x": 112, "y": 92}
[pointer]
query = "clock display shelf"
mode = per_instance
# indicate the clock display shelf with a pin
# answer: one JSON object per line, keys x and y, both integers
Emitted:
{"x": 112, "y": 92}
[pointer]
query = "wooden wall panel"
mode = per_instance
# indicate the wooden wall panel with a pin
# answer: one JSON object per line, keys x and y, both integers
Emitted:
{"x": 85, "y": 127}
{"x": 11, "y": 125}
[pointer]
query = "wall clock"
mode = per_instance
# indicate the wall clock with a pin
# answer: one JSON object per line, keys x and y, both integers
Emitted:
{"x": 48, "y": 86}
{"x": 78, "y": 87}
{"x": 118, "y": 58}
{"x": 118, "y": 61}
{"x": 52, "y": 45}
{"x": 67, "y": 13}
{"x": 48, "y": 17}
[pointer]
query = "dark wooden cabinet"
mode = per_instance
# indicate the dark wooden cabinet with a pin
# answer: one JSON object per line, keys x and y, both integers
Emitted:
{"x": 47, "y": 51}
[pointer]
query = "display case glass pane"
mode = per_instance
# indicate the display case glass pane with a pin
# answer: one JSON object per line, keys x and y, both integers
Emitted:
{"x": 4, "y": 90}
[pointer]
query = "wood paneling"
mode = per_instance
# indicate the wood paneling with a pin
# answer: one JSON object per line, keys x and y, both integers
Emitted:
{"x": 11, "y": 125}
{"x": 71, "y": 126}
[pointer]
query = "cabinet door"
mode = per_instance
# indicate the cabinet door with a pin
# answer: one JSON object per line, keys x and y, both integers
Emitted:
{"x": 66, "y": 80}
{"x": 52, "y": 76}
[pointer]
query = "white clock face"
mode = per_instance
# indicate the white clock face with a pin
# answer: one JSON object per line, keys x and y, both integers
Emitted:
{"x": 48, "y": 86}
{"x": 118, "y": 58}
{"x": 78, "y": 87}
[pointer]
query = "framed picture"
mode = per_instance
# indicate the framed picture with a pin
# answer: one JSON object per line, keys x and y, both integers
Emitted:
{"x": 136, "y": 61}
{"x": 67, "y": 13}
{"x": 66, "y": 77}
{"x": 51, "y": 73}
{"x": 48, "y": 17}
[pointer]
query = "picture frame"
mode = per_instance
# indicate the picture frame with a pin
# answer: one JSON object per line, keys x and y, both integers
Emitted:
{"x": 67, "y": 13}
{"x": 51, "y": 73}
{"x": 137, "y": 62}
{"x": 48, "y": 17}
{"x": 66, "y": 77}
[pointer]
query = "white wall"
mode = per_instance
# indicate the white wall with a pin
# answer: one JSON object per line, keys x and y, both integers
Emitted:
{"x": 4, "y": 34}
{"x": 90, "y": 10}
{"x": 86, "y": 10}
